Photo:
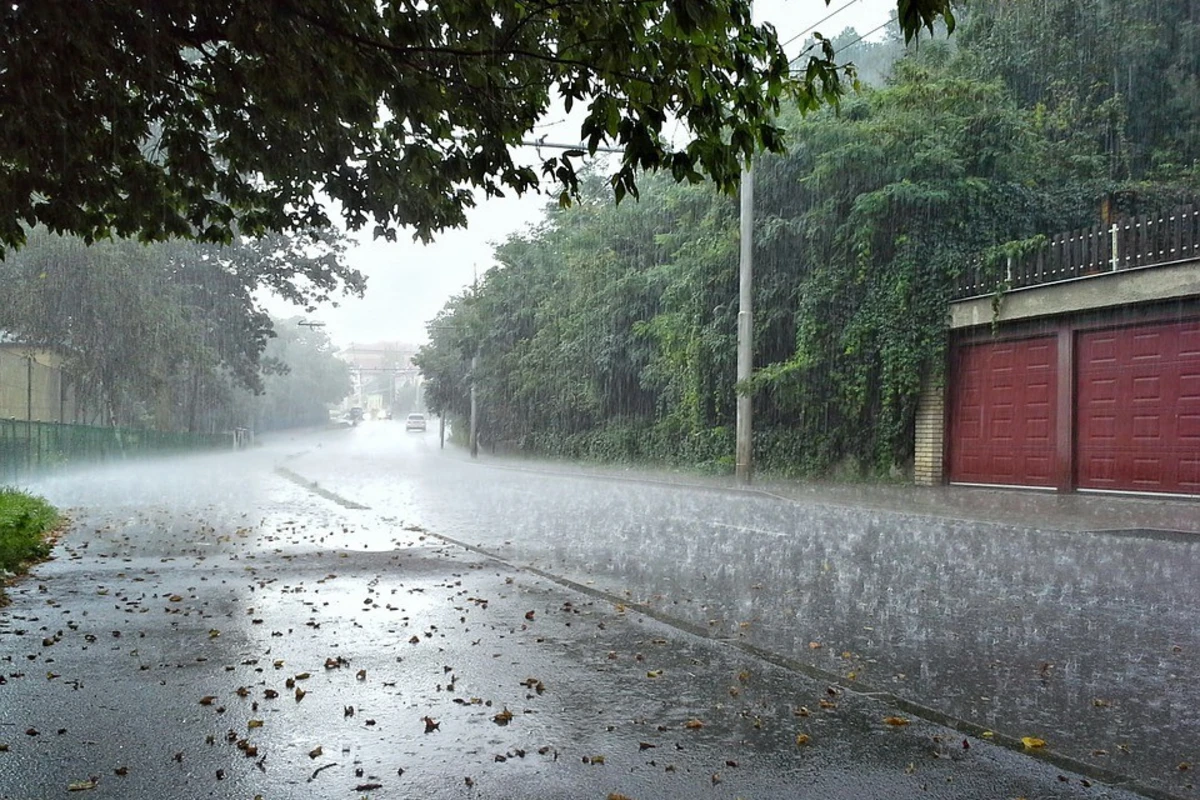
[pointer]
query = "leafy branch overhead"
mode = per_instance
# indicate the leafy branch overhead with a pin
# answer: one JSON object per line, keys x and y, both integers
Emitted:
{"x": 201, "y": 118}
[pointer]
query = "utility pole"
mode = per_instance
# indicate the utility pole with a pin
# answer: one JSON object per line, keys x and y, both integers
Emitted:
{"x": 474, "y": 408}
{"x": 474, "y": 364}
{"x": 745, "y": 332}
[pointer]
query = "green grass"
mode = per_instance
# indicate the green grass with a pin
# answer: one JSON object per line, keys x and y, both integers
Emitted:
{"x": 25, "y": 521}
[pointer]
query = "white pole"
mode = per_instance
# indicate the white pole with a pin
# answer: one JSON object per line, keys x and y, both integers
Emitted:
{"x": 1116, "y": 255}
{"x": 745, "y": 331}
{"x": 474, "y": 418}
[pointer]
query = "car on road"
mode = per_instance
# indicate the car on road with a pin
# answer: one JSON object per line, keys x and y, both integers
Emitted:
{"x": 415, "y": 422}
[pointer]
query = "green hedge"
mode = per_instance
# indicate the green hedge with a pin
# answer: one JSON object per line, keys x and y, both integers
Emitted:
{"x": 25, "y": 521}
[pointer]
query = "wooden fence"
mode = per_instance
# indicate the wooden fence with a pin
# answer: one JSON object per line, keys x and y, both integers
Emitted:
{"x": 1128, "y": 243}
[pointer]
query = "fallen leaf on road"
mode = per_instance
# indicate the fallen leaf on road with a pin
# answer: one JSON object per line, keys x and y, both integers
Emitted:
{"x": 802, "y": 739}
{"x": 896, "y": 721}
{"x": 503, "y": 718}
{"x": 431, "y": 724}
{"x": 654, "y": 673}
{"x": 207, "y": 700}
{"x": 1033, "y": 742}
{"x": 315, "y": 752}
{"x": 81, "y": 786}
{"x": 693, "y": 724}
{"x": 254, "y": 723}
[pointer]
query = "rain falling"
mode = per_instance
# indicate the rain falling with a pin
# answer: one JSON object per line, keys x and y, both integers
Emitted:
{"x": 657, "y": 400}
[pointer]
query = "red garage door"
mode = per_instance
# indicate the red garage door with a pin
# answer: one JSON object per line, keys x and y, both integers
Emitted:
{"x": 1002, "y": 413}
{"x": 1138, "y": 409}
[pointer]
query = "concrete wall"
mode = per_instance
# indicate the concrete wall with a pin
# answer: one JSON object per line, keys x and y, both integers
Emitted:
{"x": 52, "y": 396}
{"x": 929, "y": 449}
{"x": 1107, "y": 290}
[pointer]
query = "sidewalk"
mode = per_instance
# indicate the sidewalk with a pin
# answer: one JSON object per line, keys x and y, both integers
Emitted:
{"x": 1026, "y": 508}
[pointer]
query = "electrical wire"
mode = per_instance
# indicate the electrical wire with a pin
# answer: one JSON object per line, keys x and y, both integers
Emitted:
{"x": 848, "y": 45}
{"x": 823, "y": 19}
{"x": 860, "y": 38}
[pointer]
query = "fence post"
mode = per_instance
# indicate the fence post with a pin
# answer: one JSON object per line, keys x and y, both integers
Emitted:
{"x": 29, "y": 387}
{"x": 1116, "y": 254}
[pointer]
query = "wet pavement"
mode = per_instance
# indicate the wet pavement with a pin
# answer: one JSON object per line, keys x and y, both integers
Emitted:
{"x": 216, "y": 627}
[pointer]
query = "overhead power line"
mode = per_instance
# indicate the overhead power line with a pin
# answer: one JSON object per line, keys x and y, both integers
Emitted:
{"x": 860, "y": 38}
{"x": 813, "y": 27}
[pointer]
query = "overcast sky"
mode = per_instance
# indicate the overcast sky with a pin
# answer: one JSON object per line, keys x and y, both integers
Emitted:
{"x": 408, "y": 282}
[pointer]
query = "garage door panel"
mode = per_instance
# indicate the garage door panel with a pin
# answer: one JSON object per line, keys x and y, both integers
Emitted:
{"x": 1137, "y": 408}
{"x": 1002, "y": 413}
{"x": 1189, "y": 342}
{"x": 1147, "y": 428}
{"x": 1147, "y": 387}
{"x": 1189, "y": 474}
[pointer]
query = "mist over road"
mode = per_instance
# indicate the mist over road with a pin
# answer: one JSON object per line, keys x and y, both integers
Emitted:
{"x": 299, "y": 620}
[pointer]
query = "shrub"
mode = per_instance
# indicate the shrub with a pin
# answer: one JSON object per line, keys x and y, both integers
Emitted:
{"x": 25, "y": 521}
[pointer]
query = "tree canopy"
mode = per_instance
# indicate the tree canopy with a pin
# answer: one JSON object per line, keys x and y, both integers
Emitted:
{"x": 174, "y": 335}
{"x": 610, "y": 330}
{"x": 205, "y": 118}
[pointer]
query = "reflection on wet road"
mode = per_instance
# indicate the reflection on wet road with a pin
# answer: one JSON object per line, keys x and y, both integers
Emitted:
{"x": 1088, "y": 641}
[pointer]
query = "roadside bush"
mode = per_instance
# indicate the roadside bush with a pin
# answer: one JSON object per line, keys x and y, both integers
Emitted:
{"x": 25, "y": 521}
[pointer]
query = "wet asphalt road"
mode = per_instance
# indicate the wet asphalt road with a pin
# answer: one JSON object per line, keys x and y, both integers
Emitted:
{"x": 1087, "y": 641}
{"x": 215, "y": 578}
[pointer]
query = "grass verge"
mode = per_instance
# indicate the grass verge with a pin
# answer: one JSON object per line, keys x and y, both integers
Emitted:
{"x": 25, "y": 524}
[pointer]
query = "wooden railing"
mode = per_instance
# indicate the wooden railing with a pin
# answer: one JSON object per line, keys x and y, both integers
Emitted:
{"x": 1128, "y": 243}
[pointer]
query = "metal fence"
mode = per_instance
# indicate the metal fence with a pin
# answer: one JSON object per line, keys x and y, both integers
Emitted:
{"x": 28, "y": 447}
{"x": 1142, "y": 241}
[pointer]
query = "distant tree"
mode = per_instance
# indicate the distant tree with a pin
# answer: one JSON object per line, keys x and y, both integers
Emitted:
{"x": 306, "y": 377}
{"x": 1121, "y": 75}
{"x": 162, "y": 335}
{"x": 610, "y": 331}
{"x": 206, "y": 118}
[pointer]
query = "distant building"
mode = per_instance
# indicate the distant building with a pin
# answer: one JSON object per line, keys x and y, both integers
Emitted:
{"x": 377, "y": 355}
{"x": 33, "y": 384}
{"x": 379, "y": 371}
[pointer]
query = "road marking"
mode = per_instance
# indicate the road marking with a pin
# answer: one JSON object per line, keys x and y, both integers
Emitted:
{"x": 312, "y": 486}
